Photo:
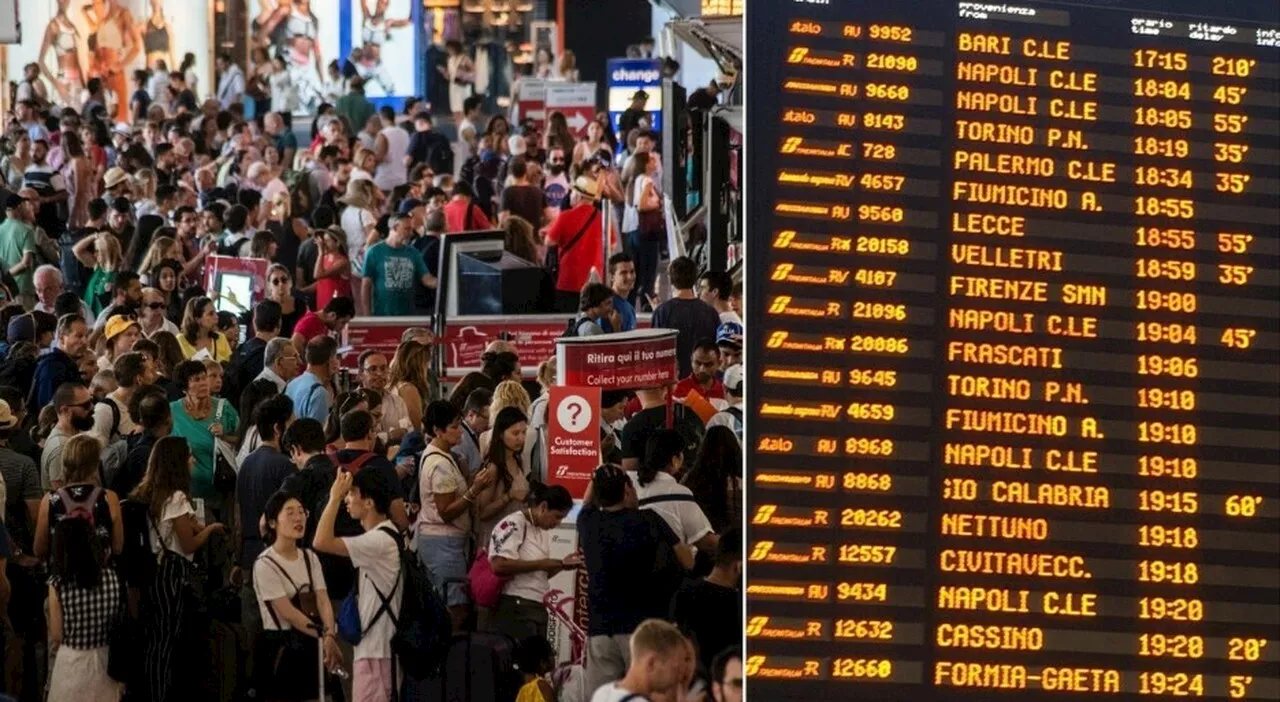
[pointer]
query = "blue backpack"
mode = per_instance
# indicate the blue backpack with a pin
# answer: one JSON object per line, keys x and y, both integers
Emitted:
{"x": 424, "y": 631}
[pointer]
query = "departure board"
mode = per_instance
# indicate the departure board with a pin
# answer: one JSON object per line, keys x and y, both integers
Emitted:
{"x": 1014, "y": 417}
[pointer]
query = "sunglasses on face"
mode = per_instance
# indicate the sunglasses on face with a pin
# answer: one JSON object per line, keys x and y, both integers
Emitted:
{"x": 279, "y": 281}
{"x": 155, "y": 305}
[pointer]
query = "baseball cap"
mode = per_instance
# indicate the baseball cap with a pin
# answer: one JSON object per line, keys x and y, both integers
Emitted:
{"x": 408, "y": 205}
{"x": 21, "y": 328}
{"x": 733, "y": 379}
{"x": 516, "y": 145}
{"x": 729, "y": 334}
{"x": 117, "y": 325}
{"x": 14, "y": 201}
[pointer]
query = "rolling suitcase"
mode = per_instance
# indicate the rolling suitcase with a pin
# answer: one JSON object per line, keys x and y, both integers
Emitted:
{"x": 480, "y": 666}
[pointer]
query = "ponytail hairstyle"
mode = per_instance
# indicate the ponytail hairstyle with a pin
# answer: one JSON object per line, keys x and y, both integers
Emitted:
{"x": 660, "y": 452}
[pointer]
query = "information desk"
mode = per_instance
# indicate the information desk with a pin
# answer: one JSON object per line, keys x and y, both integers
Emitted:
{"x": 1015, "y": 424}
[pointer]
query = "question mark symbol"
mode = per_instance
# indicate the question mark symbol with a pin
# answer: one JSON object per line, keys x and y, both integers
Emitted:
{"x": 575, "y": 410}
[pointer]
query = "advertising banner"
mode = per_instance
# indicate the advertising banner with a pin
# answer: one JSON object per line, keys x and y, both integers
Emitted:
{"x": 576, "y": 101}
{"x": 383, "y": 31}
{"x": 644, "y": 358}
{"x": 626, "y": 76}
{"x": 573, "y": 437}
{"x": 306, "y": 33}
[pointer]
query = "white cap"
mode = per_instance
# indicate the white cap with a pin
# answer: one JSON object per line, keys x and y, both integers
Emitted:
{"x": 733, "y": 379}
{"x": 516, "y": 145}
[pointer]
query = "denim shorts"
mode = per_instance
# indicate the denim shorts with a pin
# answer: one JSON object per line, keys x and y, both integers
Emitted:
{"x": 446, "y": 560}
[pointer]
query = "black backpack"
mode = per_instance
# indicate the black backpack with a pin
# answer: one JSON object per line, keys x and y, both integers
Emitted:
{"x": 232, "y": 249}
{"x": 423, "y": 628}
{"x": 440, "y": 156}
{"x": 571, "y": 328}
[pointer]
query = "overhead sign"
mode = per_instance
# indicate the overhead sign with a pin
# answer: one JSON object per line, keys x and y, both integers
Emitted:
{"x": 573, "y": 437}
{"x": 626, "y": 76}
{"x": 576, "y": 101}
{"x": 644, "y": 358}
{"x": 531, "y": 101}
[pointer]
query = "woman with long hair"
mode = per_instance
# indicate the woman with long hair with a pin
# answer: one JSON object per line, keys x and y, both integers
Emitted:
{"x": 590, "y": 146}
{"x": 410, "y": 378}
{"x": 189, "y": 73}
{"x": 333, "y": 268}
{"x": 500, "y": 129}
{"x": 200, "y": 419}
{"x": 102, "y": 253}
{"x": 294, "y": 603}
{"x": 81, "y": 492}
{"x": 716, "y": 478}
{"x": 78, "y": 172}
{"x": 200, "y": 331}
{"x": 558, "y": 134}
{"x": 166, "y": 276}
{"x": 508, "y": 393}
{"x": 85, "y": 604}
{"x": 461, "y": 74}
{"x": 359, "y": 221}
{"x": 520, "y": 548}
{"x": 500, "y": 365}
{"x": 568, "y": 66}
{"x": 63, "y": 36}
{"x": 519, "y": 239}
{"x": 643, "y": 197}
{"x": 14, "y": 166}
{"x": 172, "y": 644}
{"x": 163, "y": 248}
{"x": 507, "y": 493}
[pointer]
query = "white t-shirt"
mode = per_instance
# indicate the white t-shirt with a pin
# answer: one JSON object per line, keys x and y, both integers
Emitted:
{"x": 177, "y": 506}
{"x": 439, "y": 474}
{"x": 354, "y": 222}
{"x": 682, "y": 514}
{"x": 271, "y": 584}
{"x": 730, "y": 316}
{"x": 391, "y": 171}
{"x": 377, "y": 557}
{"x": 516, "y": 539}
{"x": 612, "y": 693}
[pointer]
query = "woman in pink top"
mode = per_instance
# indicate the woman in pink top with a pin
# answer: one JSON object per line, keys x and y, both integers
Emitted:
{"x": 333, "y": 269}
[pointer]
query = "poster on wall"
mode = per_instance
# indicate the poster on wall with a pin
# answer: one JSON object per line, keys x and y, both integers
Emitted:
{"x": 383, "y": 32}
{"x": 73, "y": 42}
{"x": 305, "y": 35}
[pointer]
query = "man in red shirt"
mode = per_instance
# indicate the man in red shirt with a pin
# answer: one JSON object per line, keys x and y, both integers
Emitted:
{"x": 706, "y": 363}
{"x": 576, "y": 234}
{"x": 332, "y": 318}
{"x": 462, "y": 214}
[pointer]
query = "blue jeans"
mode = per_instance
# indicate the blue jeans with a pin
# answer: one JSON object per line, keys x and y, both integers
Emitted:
{"x": 647, "y": 254}
{"x": 446, "y": 560}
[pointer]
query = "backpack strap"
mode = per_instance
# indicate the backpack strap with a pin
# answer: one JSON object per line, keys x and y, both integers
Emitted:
{"x": 736, "y": 411}
{"x": 385, "y": 607}
{"x": 271, "y": 608}
{"x": 569, "y": 246}
{"x": 355, "y": 465}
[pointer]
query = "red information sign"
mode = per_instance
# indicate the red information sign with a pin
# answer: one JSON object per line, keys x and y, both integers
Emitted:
{"x": 235, "y": 284}
{"x": 530, "y": 104}
{"x": 644, "y": 358}
{"x": 576, "y": 101}
{"x": 573, "y": 437}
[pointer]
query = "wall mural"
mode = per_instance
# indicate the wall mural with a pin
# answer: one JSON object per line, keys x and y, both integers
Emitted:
{"x": 109, "y": 39}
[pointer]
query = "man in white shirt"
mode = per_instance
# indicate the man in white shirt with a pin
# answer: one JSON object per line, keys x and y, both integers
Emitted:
{"x": 230, "y": 81}
{"x": 376, "y": 556}
{"x": 661, "y": 661}
{"x": 715, "y": 287}
{"x": 390, "y": 146}
{"x": 280, "y": 362}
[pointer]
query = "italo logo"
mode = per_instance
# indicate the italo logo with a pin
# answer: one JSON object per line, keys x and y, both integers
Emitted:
{"x": 644, "y": 75}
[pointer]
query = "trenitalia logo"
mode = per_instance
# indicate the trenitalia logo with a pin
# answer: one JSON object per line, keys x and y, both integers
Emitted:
{"x": 646, "y": 75}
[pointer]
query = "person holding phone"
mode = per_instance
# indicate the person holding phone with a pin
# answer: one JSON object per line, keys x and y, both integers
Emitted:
{"x": 520, "y": 548}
